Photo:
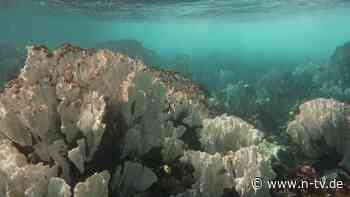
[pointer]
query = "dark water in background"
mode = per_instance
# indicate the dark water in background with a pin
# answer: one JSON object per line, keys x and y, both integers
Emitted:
{"x": 249, "y": 35}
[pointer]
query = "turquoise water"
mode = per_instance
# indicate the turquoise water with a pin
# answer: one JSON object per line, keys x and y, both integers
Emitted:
{"x": 254, "y": 37}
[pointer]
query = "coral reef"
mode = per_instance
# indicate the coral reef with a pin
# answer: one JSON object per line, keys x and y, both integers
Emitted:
{"x": 133, "y": 178}
{"x": 86, "y": 122}
{"x": 96, "y": 185}
{"x": 265, "y": 102}
{"x": 271, "y": 100}
{"x": 303, "y": 112}
{"x": 322, "y": 125}
{"x": 232, "y": 171}
{"x": 228, "y": 133}
{"x": 20, "y": 178}
{"x": 104, "y": 124}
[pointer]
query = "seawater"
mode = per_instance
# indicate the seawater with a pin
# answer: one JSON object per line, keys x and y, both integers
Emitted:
{"x": 271, "y": 38}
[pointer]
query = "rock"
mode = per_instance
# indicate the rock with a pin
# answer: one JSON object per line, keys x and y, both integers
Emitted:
{"x": 94, "y": 186}
{"x": 228, "y": 133}
{"x": 322, "y": 125}
{"x": 131, "y": 179}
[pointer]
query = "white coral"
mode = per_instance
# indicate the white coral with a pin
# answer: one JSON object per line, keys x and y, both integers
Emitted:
{"x": 209, "y": 173}
{"x": 247, "y": 164}
{"x": 228, "y": 133}
{"x": 62, "y": 93}
{"x": 90, "y": 122}
{"x": 58, "y": 188}
{"x": 322, "y": 120}
{"x": 145, "y": 113}
{"x": 235, "y": 170}
{"x": 172, "y": 148}
{"x": 58, "y": 106}
{"x": 132, "y": 178}
{"x": 94, "y": 186}
{"x": 20, "y": 178}
{"x": 77, "y": 156}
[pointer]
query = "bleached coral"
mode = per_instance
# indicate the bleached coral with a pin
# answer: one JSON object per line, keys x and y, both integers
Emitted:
{"x": 18, "y": 178}
{"x": 321, "y": 124}
{"x": 144, "y": 114}
{"x": 209, "y": 173}
{"x": 228, "y": 133}
{"x": 90, "y": 122}
{"x": 247, "y": 164}
{"x": 78, "y": 157}
{"x": 75, "y": 109}
{"x": 172, "y": 148}
{"x": 56, "y": 107}
{"x": 235, "y": 170}
{"x": 94, "y": 186}
{"x": 58, "y": 188}
{"x": 150, "y": 112}
{"x": 132, "y": 179}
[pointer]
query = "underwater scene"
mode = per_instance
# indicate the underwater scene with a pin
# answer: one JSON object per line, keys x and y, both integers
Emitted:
{"x": 175, "y": 98}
